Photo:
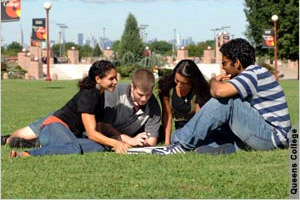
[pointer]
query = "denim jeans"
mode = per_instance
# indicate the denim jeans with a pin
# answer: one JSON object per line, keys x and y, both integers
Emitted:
{"x": 35, "y": 126}
{"x": 243, "y": 120}
{"x": 55, "y": 138}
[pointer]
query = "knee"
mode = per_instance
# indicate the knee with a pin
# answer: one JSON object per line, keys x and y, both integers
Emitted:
{"x": 76, "y": 148}
{"x": 25, "y": 133}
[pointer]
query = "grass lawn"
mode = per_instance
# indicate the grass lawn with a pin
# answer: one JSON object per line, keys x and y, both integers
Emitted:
{"x": 109, "y": 175}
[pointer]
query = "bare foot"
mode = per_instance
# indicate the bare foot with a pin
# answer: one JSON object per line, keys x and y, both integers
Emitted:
{"x": 14, "y": 154}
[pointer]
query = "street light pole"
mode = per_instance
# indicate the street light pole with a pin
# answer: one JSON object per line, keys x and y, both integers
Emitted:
{"x": 47, "y": 7}
{"x": 274, "y": 19}
{"x": 174, "y": 43}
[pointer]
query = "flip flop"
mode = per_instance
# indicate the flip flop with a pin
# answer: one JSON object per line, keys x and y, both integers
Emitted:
{"x": 14, "y": 154}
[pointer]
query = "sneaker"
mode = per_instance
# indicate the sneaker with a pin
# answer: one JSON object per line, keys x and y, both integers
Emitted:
{"x": 172, "y": 149}
{"x": 227, "y": 148}
{"x": 4, "y": 138}
{"x": 22, "y": 143}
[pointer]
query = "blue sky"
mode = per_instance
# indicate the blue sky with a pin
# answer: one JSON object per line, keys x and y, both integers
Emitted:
{"x": 193, "y": 18}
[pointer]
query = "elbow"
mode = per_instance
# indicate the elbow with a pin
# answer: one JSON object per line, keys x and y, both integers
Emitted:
{"x": 217, "y": 93}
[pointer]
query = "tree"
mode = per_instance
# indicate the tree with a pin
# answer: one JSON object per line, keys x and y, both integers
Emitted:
{"x": 116, "y": 46}
{"x": 55, "y": 49}
{"x": 13, "y": 49}
{"x": 161, "y": 47}
{"x": 198, "y": 49}
{"x": 131, "y": 40}
{"x": 68, "y": 45}
{"x": 259, "y": 13}
{"x": 97, "y": 51}
{"x": 85, "y": 51}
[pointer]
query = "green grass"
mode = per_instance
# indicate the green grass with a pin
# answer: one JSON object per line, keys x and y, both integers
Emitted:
{"x": 109, "y": 175}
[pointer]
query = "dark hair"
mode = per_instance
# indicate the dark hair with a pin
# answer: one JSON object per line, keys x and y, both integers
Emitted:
{"x": 189, "y": 69}
{"x": 239, "y": 49}
{"x": 99, "y": 68}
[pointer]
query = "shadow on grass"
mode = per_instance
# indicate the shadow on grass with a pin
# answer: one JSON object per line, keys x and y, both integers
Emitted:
{"x": 54, "y": 87}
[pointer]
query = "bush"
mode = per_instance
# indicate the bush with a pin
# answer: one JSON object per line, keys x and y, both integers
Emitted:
{"x": 16, "y": 71}
{"x": 3, "y": 68}
{"x": 126, "y": 71}
{"x": 164, "y": 71}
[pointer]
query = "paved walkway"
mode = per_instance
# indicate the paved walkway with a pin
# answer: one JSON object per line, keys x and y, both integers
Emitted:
{"x": 289, "y": 73}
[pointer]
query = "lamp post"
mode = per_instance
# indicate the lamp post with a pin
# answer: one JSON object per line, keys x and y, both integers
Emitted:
{"x": 274, "y": 19}
{"x": 47, "y": 7}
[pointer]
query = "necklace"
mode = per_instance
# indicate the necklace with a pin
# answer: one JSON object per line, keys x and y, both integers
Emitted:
{"x": 185, "y": 100}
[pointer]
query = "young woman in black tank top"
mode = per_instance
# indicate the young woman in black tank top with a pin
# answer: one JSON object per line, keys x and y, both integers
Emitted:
{"x": 182, "y": 94}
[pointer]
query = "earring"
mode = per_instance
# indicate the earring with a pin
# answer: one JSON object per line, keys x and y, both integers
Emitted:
{"x": 98, "y": 86}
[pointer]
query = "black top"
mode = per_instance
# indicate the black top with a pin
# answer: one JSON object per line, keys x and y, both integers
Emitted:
{"x": 181, "y": 104}
{"x": 85, "y": 101}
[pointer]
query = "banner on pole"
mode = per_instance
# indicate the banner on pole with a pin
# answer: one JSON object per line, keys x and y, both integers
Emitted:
{"x": 39, "y": 29}
{"x": 10, "y": 10}
{"x": 36, "y": 43}
{"x": 268, "y": 38}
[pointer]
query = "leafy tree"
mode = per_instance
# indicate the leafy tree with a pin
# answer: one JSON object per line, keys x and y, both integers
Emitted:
{"x": 12, "y": 49}
{"x": 68, "y": 45}
{"x": 97, "y": 51}
{"x": 131, "y": 40}
{"x": 161, "y": 47}
{"x": 128, "y": 59}
{"x": 116, "y": 46}
{"x": 259, "y": 13}
{"x": 198, "y": 49}
{"x": 55, "y": 49}
{"x": 85, "y": 51}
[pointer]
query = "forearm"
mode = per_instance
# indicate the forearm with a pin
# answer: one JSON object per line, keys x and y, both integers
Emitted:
{"x": 108, "y": 130}
{"x": 102, "y": 139}
{"x": 126, "y": 139}
{"x": 151, "y": 141}
{"x": 214, "y": 84}
{"x": 167, "y": 128}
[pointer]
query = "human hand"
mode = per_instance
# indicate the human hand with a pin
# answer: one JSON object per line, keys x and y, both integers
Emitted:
{"x": 223, "y": 77}
{"x": 120, "y": 147}
{"x": 139, "y": 139}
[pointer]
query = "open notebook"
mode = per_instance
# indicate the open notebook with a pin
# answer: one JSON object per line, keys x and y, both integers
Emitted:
{"x": 138, "y": 150}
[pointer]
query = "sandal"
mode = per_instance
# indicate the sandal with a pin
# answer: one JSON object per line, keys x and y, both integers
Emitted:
{"x": 14, "y": 154}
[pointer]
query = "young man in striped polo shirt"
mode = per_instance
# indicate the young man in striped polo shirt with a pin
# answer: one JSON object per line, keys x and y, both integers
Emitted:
{"x": 247, "y": 100}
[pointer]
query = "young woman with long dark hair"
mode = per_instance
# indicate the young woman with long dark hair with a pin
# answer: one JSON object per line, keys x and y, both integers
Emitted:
{"x": 61, "y": 133}
{"x": 182, "y": 93}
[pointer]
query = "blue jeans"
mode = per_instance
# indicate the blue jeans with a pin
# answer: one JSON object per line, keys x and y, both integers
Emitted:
{"x": 244, "y": 121}
{"x": 56, "y": 138}
{"x": 35, "y": 126}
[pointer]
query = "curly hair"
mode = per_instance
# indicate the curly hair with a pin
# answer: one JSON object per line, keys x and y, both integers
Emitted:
{"x": 239, "y": 49}
{"x": 189, "y": 69}
{"x": 98, "y": 68}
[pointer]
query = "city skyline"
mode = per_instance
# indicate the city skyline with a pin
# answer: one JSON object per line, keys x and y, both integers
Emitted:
{"x": 106, "y": 18}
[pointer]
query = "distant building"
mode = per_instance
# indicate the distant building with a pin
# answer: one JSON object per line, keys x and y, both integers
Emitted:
{"x": 188, "y": 40}
{"x": 80, "y": 39}
{"x": 87, "y": 42}
{"x": 221, "y": 38}
{"x": 93, "y": 42}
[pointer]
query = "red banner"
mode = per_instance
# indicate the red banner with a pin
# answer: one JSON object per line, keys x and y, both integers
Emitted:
{"x": 36, "y": 43}
{"x": 10, "y": 10}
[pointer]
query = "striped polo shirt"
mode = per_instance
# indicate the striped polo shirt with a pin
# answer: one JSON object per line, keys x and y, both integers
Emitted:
{"x": 257, "y": 86}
